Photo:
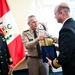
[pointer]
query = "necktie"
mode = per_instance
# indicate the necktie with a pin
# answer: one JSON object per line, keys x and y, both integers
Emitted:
{"x": 38, "y": 45}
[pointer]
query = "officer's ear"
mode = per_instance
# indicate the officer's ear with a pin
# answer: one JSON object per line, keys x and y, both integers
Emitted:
{"x": 28, "y": 24}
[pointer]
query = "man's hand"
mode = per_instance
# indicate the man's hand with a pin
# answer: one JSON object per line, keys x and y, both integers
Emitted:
{"x": 49, "y": 61}
{"x": 11, "y": 67}
{"x": 41, "y": 37}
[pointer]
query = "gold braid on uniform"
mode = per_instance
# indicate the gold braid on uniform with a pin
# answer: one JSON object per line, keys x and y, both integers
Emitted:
{"x": 10, "y": 59}
{"x": 55, "y": 63}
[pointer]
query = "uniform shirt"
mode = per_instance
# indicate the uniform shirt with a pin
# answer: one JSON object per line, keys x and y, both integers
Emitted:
{"x": 30, "y": 42}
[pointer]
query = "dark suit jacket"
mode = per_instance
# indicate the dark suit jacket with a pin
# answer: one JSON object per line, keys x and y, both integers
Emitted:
{"x": 67, "y": 47}
{"x": 5, "y": 58}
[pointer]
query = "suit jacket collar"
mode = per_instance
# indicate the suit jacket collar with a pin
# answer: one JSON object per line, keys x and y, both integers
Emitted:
{"x": 69, "y": 24}
{"x": 66, "y": 20}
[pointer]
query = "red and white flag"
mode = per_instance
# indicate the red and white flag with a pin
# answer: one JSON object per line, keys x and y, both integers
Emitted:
{"x": 11, "y": 33}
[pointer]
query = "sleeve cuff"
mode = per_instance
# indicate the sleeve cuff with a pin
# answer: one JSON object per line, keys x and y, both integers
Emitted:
{"x": 55, "y": 63}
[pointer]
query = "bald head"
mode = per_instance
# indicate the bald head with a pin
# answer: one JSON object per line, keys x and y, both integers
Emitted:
{"x": 62, "y": 12}
{"x": 63, "y": 6}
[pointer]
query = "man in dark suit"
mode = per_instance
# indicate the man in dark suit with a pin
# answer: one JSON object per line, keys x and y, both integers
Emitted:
{"x": 5, "y": 58}
{"x": 66, "y": 57}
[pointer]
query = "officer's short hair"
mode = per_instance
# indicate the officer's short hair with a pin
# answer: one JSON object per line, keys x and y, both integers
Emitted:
{"x": 30, "y": 17}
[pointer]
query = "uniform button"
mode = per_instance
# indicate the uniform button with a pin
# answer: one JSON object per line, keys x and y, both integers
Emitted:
{"x": 1, "y": 62}
{"x": 5, "y": 49}
{"x": 0, "y": 56}
{"x": 5, "y": 54}
{"x": 0, "y": 70}
{"x": 3, "y": 39}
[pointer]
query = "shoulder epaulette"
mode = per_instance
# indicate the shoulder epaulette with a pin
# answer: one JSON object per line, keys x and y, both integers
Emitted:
{"x": 26, "y": 30}
{"x": 41, "y": 29}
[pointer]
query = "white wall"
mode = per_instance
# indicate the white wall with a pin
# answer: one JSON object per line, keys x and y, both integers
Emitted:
{"x": 20, "y": 10}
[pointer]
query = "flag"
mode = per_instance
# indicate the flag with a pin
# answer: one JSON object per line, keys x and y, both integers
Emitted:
{"x": 12, "y": 35}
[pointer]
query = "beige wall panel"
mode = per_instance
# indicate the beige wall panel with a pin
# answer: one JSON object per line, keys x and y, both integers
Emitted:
{"x": 20, "y": 11}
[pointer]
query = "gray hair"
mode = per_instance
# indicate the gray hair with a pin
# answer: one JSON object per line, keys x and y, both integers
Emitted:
{"x": 30, "y": 17}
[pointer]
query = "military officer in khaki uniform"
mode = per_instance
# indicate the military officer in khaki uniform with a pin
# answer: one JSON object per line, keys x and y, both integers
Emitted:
{"x": 35, "y": 63}
{"x": 5, "y": 58}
